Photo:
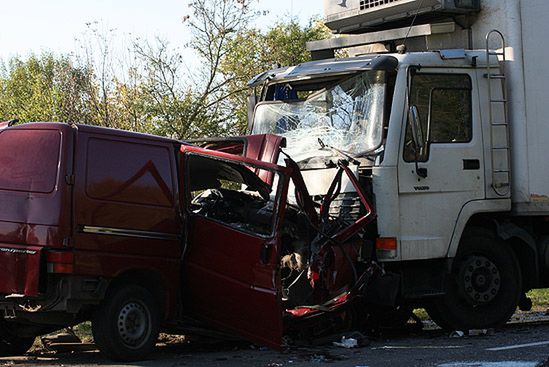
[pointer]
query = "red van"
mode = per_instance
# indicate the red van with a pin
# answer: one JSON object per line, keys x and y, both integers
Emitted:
{"x": 139, "y": 234}
{"x": 89, "y": 222}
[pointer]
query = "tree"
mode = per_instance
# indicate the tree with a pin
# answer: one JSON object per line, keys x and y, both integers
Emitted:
{"x": 195, "y": 102}
{"x": 150, "y": 88}
{"x": 45, "y": 88}
{"x": 253, "y": 52}
{"x": 172, "y": 107}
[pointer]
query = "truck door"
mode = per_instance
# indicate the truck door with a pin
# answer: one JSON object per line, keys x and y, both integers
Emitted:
{"x": 452, "y": 158}
{"x": 230, "y": 263}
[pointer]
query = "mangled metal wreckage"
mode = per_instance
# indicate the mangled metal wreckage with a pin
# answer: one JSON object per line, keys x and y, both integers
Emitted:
{"x": 225, "y": 234}
{"x": 317, "y": 274}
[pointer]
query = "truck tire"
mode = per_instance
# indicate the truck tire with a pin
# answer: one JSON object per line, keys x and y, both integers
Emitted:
{"x": 126, "y": 325}
{"x": 11, "y": 344}
{"x": 484, "y": 288}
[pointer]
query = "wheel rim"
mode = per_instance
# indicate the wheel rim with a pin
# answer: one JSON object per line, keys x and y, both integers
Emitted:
{"x": 134, "y": 322}
{"x": 480, "y": 279}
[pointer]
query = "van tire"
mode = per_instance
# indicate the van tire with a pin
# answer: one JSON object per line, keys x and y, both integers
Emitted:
{"x": 484, "y": 287}
{"x": 126, "y": 325}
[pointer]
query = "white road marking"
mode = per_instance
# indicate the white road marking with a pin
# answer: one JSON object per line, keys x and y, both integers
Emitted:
{"x": 418, "y": 347}
{"x": 490, "y": 364}
{"x": 516, "y": 346}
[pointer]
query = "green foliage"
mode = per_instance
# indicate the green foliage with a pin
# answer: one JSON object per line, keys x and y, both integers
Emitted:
{"x": 83, "y": 331}
{"x": 45, "y": 88}
{"x": 540, "y": 299}
{"x": 285, "y": 42}
{"x": 253, "y": 52}
{"x": 150, "y": 89}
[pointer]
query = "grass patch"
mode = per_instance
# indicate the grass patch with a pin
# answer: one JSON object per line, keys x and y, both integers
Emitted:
{"x": 422, "y": 314}
{"x": 83, "y": 331}
{"x": 540, "y": 299}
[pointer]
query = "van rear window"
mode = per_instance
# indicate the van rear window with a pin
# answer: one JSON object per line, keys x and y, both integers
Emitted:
{"x": 29, "y": 160}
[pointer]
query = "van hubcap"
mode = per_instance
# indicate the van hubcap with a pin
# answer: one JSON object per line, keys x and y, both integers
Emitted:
{"x": 134, "y": 324}
{"x": 480, "y": 279}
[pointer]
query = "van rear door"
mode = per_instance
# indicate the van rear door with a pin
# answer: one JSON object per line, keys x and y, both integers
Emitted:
{"x": 34, "y": 200}
{"x": 231, "y": 260}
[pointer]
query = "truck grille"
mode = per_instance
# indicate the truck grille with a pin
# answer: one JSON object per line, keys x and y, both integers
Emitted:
{"x": 368, "y": 4}
{"x": 346, "y": 206}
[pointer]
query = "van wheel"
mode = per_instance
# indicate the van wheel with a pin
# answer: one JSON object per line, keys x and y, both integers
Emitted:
{"x": 11, "y": 344}
{"x": 484, "y": 287}
{"x": 126, "y": 325}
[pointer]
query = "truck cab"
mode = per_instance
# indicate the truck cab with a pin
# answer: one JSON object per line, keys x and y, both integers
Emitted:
{"x": 440, "y": 108}
{"x": 428, "y": 135}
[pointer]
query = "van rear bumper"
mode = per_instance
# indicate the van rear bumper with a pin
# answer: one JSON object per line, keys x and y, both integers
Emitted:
{"x": 20, "y": 269}
{"x": 68, "y": 298}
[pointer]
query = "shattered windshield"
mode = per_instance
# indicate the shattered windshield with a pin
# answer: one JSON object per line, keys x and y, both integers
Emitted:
{"x": 347, "y": 115}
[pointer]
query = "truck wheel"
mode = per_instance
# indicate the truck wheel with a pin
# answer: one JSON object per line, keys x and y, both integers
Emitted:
{"x": 126, "y": 325}
{"x": 11, "y": 344}
{"x": 485, "y": 285}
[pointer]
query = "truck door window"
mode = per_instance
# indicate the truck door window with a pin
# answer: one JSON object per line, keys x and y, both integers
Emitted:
{"x": 445, "y": 109}
{"x": 230, "y": 193}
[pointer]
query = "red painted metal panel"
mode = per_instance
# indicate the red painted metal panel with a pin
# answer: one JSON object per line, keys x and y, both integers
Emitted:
{"x": 226, "y": 284}
{"x": 236, "y": 158}
{"x": 34, "y": 159}
{"x": 127, "y": 182}
{"x": 165, "y": 263}
{"x": 224, "y": 280}
{"x": 266, "y": 148}
{"x": 20, "y": 269}
{"x": 134, "y": 191}
{"x": 35, "y": 210}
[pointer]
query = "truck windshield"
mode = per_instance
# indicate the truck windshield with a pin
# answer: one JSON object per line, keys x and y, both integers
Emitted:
{"x": 347, "y": 115}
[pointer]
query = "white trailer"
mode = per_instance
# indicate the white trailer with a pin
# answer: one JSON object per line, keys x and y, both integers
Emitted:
{"x": 452, "y": 136}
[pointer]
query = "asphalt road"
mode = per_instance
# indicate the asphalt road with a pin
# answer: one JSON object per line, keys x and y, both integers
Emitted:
{"x": 517, "y": 345}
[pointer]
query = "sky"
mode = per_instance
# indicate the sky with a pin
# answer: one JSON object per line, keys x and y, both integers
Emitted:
{"x": 33, "y": 26}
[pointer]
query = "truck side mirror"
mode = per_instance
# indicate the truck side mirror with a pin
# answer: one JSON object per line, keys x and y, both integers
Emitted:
{"x": 417, "y": 133}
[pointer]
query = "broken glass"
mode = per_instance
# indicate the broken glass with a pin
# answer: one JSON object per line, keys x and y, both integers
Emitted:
{"x": 231, "y": 193}
{"x": 347, "y": 116}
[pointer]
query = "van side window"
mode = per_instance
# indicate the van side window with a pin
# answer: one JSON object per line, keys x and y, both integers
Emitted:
{"x": 444, "y": 104}
{"x": 129, "y": 172}
{"x": 29, "y": 160}
{"x": 230, "y": 193}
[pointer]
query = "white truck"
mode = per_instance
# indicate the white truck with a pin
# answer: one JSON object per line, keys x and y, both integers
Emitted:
{"x": 450, "y": 136}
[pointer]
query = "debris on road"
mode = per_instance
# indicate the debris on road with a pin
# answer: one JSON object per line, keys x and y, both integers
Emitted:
{"x": 457, "y": 334}
{"x": 471, "y": 332}
{"x": 64, "y": 342}
{"x": 480, "y": 332}
{"x": 346, "y": 343}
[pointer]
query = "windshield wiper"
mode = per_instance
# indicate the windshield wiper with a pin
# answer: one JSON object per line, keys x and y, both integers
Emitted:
{"x": 371, "y": 155}
{"x": 338, "y": 151}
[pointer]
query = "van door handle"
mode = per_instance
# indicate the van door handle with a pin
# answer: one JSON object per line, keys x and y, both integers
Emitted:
{"x": 471, "y": 164}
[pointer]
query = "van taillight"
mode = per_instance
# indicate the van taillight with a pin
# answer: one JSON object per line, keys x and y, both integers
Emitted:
{"x": 60, "y": 262}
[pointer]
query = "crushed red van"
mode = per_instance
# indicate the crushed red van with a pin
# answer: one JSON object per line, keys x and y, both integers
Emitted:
{"x": 139, "y": 234}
